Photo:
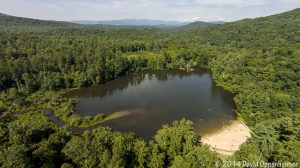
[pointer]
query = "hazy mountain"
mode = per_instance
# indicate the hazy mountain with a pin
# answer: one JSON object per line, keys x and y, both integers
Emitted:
{"x": 7, "y": 20}
{"x": 197, "y": 24}
{"x": 132, "y": 22}
{"x": 216, "y": 22}
{"x": 200, "y": 24}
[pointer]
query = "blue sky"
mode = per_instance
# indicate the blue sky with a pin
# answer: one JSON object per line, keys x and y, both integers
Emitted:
{"x": 179, "y": 10}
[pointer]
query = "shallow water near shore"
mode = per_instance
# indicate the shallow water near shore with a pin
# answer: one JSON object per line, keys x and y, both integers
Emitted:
{"x": 155, "y": 98}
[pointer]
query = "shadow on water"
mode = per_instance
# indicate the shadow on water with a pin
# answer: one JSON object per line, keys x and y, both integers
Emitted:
{"x": 130, "y": 80}
{"x": 156, "y": 98}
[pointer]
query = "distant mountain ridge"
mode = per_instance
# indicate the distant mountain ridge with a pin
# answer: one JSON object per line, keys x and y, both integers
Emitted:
{"x": 197, "y": 24}
{"x": 216, "y": 22}
{"x": 132, "y": 22}
{"x": 8, "y": 20}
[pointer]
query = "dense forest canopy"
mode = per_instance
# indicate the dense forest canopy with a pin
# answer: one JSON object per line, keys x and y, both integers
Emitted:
{"x": 258, "y": 60}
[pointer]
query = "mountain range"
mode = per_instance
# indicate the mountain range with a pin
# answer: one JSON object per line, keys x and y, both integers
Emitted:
{"x": 132, "y": 22}
{"x": 21, "y": 21}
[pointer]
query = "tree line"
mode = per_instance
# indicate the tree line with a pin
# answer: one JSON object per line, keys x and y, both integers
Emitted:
{"x": 257, "y": 60}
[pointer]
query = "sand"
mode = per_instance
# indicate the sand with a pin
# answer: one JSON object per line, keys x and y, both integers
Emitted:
{"x": 227, "y": 140}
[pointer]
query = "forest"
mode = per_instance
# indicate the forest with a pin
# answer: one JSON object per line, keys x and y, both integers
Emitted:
{"x": 258, "y": 60}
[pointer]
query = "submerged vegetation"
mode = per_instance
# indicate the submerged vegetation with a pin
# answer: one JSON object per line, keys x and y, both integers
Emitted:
{"x": 258, "y": 60}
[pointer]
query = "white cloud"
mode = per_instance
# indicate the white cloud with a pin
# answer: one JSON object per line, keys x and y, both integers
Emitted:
{"x": 221, "y": 19}
{"x": 196, "y": 18}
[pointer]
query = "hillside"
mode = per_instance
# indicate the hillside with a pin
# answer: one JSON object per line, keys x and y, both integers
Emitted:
{"x": 7, "y": 20}
{"x": 257, "y": 60}
{"x": 195, "y": 25}
{"x": 276, "y": 30}
{"x": 131, "y": 22}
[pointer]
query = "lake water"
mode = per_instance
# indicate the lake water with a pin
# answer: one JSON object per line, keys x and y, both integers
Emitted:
{"x": 155, "y": 98}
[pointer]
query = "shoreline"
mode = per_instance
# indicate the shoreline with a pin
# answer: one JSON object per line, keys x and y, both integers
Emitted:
{"x": 228, "y": 139}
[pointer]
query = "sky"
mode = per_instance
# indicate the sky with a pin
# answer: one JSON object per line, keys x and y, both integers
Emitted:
{"x": 177, "y": 10}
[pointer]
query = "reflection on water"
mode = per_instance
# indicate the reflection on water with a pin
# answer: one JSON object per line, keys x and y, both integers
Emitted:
{"x": 155, "y": 98}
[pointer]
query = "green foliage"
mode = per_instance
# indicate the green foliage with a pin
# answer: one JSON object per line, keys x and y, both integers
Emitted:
{"x": 257, "y": 60}
{"x": 30, "y": 128}
{"x": 32, "y": 141}
{"x": 196, "y": 25}
{"x": 114, "y": 149}
{"x": 66, "y": 165}
{"x": 281, "y": 30}
{"x": 15, "y": 156}
{"x": 249, "y": 153}
{"x": 197, "y": 157}
{"x": 273, "y": 140}
{"x": 3, "y": 106}
{"x": 3, "y": 133}
{"x": 177, "y": 139}
{"x": 157, "y": 156}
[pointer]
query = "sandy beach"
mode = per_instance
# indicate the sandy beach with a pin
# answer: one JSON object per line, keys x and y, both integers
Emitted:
{"x": 227, "y": 140}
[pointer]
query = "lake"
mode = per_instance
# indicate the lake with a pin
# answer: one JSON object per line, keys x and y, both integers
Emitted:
{"x": 155, "y": 98}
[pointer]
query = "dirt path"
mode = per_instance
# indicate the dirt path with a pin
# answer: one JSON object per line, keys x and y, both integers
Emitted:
{"x": 228, "y": 139}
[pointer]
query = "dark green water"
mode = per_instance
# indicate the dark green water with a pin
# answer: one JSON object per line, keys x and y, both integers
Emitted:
{"x": 156, "y": 98}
